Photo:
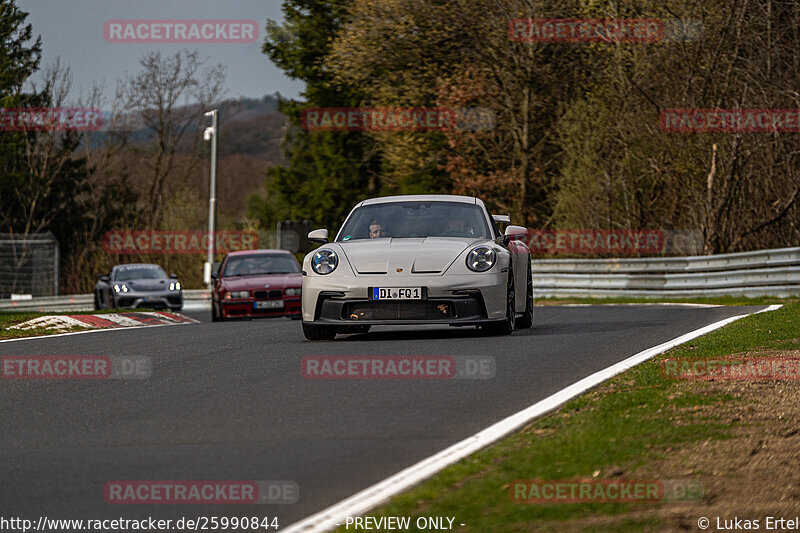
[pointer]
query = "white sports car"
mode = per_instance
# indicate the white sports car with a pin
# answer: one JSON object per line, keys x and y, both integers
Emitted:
{"x": 404, "y": 260}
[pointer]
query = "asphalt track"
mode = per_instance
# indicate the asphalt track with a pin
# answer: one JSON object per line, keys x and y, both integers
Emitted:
{"x": 227, "y": 401}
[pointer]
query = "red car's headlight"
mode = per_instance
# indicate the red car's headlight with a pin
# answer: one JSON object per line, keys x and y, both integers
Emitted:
{"x": 237, "y": 294}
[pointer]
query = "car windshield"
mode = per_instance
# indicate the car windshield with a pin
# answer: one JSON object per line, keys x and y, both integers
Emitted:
{"x": 416, "y": 220}
{"x": 252, "y": 265}
{"x": 139, "y": 272}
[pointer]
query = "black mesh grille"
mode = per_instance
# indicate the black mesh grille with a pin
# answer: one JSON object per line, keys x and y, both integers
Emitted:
{"x": 407, "y": 310}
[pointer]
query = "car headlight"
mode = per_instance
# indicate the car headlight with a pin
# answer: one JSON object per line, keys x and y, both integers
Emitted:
{"x": 237, "y": 294}
{"x": 294, "y": 291}
{"x": 481, "y": 259}
{"x": 120, "y": 288}
{"x": 324, "y": 262}
{"x": 175, "y": 286}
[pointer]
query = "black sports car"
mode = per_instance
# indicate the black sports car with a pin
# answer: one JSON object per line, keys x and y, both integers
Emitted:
{"x": 138, "y": 285}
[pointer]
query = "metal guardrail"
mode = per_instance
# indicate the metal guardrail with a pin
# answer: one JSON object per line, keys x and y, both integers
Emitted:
{"x": 196, "y": 299}
{"x": 750, "y": 274}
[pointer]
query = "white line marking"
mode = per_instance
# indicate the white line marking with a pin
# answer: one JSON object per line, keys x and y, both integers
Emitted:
{"x": 379, "y": 493}
{"x": 675, "y": 304}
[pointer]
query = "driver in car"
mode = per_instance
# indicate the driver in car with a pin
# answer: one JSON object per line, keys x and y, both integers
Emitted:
{"x": 376, "y": 231}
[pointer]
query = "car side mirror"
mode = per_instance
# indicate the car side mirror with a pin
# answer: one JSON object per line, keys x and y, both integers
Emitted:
{"x": 104, "y": 278}
{"x": 214, "y": 275}
{"x": 318, "y": 235}
{"x": 514, "y": 233}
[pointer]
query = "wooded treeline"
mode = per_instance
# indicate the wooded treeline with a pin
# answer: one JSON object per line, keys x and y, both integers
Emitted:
{"x": 145, "y": 169}
{"x": 577, "y": 142}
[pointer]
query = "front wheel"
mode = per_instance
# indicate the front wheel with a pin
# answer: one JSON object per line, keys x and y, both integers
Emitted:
{"x": 526, "y": 320}
{"x": 506, "y": 327}
{"x": 214, "y": 315}
{"x": 319, "y": 333}
{"x": 96, "y": 302}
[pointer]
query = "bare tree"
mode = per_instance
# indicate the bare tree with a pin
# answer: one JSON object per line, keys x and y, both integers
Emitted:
{"x": 168, "y": 99}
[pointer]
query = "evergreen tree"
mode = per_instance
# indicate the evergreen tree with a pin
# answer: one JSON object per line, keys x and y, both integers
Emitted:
{"x": 327, "y": 172}
{"x": 19, "y": 58}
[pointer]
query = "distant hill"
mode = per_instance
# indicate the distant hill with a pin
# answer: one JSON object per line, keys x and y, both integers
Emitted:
{"x": 250, "y": 141}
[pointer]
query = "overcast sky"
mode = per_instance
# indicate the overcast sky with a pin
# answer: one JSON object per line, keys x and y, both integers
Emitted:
{"x": 73, "y": 30}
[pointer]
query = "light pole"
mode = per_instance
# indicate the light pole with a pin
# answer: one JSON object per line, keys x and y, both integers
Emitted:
{"x": 210, "y": 133}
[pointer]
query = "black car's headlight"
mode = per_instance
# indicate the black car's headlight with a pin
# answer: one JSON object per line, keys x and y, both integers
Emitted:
{"x": 324, "y": 261}
{"x": 481, "y": 259}
{"x": 175, "y": 286}
{"x": 120, "y": 288}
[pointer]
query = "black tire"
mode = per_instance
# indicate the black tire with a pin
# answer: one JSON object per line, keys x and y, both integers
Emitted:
{"x": 526, "y": 320}
{"x": 506, "y": 327}
{"x": 214, "y": 316}
{"x": 319, "y": 333}
{"x": 354, "y": 329}
{"x": 96, "y": 302}
{"x": 110, "y": 304}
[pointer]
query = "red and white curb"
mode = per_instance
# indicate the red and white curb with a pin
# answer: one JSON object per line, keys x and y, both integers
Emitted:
{"x": 106, "y": 321}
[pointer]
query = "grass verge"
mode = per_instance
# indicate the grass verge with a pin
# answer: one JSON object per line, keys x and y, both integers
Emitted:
{"x": 636, "y": 426}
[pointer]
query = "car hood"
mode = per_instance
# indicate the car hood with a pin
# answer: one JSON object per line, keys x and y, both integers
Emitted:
{"x": 275, "y": 281}
{"x": 146, "y": 285}
{"x": 429, "y": 255}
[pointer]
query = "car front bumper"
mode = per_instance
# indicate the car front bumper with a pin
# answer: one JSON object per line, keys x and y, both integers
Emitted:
{"x": 456, "y": 300}
{"x": 245, "y": 308}
{"x": 152, "y": 300}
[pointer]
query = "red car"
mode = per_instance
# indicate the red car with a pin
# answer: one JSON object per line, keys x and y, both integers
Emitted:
{"x": 256, "y": 283}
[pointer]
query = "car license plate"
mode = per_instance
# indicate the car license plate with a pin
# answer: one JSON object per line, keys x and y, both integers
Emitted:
{"x": 396, "y": 293}
{"x": 270, "y": 304}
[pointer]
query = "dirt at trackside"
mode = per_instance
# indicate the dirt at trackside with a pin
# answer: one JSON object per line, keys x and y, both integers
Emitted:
{"x": 752, "y": 475}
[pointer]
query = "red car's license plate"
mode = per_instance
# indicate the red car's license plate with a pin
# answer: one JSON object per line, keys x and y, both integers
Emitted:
{"x": 270, "y": 304}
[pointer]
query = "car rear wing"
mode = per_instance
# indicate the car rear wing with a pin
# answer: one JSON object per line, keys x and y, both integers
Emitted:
{"x": 502, "y": 218}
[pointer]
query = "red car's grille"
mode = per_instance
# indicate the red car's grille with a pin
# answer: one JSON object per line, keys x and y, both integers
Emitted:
{"x": 274, "y": 294}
